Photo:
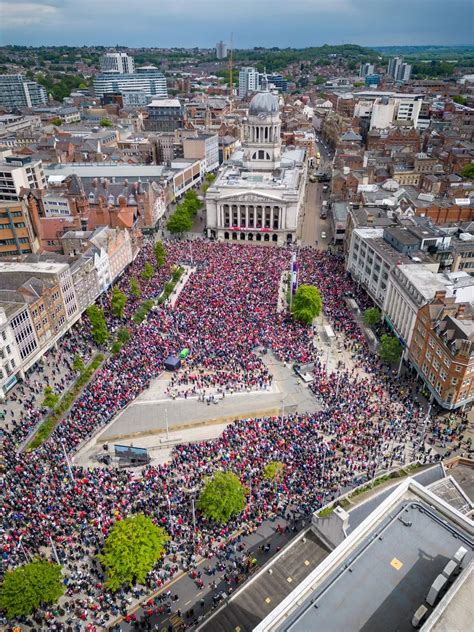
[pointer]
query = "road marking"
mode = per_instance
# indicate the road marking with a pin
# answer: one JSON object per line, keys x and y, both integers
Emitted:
{"x": 267, "y": 600}
{"x": 306, "y": 563}
{"x": 188, "y": 602}
{"x": 289, "y": 580}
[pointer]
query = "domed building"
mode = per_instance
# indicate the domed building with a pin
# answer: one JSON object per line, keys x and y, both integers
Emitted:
{"x": 258, "y": 193}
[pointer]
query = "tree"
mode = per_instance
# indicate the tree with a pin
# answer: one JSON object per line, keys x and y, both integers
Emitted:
{"x": 307, "y": 304}
{"x": 460, "y": 99}
{"x": 78, "y": 364}
{"x": 223, "y": 496}
{"x": 148, "y": 271}
{"x": 56, "y": 121}
{"x": 372, "y": 316}
{"x": 100, "y": 333}
{"x": 208, "y": 180}
{"x": 123, "y": 335}
{"x": 468, "y": 171}
{"x": 160, "y": 254}
{"x": 27, "y": 587}
{"x": 118, "y": 302}
{"x": 116, "y": 347}
{"x": 131, "y": 550}
{"x": 390, "y": 349}
{"x": 105, "y": 122}
{"x": 179, "y": 223}
{"x": 273, "y": 470}
{"x": 135, "y": 287}
{"x": 51, "y": 398}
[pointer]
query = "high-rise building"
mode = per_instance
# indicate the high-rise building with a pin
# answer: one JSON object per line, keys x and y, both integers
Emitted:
{"x": 16, "y": 92}
{"x": 394, "y": 66}
{"x": 147, "y": 79}
{"x": 16, "y": 231}
{"x": 221, "y": 50}
{"x": 404, "y": 72}
{"x": 17, "y": 172}
{"x": 249, "y": 81}
{"x": 366, "y": 69}
{"x": 117, "y": 62}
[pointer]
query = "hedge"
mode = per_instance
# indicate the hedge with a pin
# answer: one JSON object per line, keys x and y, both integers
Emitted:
{"x": 48, "y": 425}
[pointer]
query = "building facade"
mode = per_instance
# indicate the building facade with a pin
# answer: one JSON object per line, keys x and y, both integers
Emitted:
{"x": 249, "y": 81}
{"x": 16, "y": 92}
{"x": 258, "y": 195}
{"x": 17, "y": 173}
{"x": 442, "y": 350}
{"x": 148, "y": 80}
{"x": 120, "y": 63}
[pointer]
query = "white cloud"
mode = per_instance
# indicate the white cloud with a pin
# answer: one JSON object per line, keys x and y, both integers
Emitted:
{"x": 14, "y": 14}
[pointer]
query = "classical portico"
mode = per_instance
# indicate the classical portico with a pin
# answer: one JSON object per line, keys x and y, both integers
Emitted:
{"x": 258, "y": 193}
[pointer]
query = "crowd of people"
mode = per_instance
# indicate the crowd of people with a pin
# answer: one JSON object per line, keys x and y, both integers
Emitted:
{"x": 226, "y": 310}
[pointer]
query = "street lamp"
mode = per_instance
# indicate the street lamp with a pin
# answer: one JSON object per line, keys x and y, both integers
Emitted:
{"x": 67, "y": 460}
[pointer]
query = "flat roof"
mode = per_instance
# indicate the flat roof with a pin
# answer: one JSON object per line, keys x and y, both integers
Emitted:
{"x": 39, "y": 267}
{"x": 254, "y": 601}
{"x": 383, "y": 581}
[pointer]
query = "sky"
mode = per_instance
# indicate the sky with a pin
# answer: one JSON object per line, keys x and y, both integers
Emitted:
{"x": 189, "y": 23}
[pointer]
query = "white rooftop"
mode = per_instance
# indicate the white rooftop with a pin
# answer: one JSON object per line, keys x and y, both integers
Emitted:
{"x": 165, "y": 103}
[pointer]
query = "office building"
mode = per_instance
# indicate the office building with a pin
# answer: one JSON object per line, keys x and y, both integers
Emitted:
{"x": 20, "y": 172}
{"x": 204, "y": 147}
{"x": 164, "y": 115}
{"x": 16, "y": 232}
{"x": 366, "y": 69}
{"x": 278, "y": 82}
{"x": 120, "y": 63}
{"x": 221, "y": 50}
{"x": 147, "y": 79}
{"x": 258, "y": 195}
{"x": 17, "y": 92}
{"x": 249, "y": 81}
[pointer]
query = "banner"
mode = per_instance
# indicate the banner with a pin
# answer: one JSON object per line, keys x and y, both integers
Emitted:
{"x": 294, "y": 274}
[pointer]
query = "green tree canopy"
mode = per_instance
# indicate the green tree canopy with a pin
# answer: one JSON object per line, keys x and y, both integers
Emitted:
{"x": 105, "y": 122}
{"x": 468, "y": 171}
{"x": 123, "y": 335}
{"x": 118, "y": 302}
{"x": 307, "y": 304}
{"x": 51, "y": 398}
{"x": 179, "y": 223}
{"x": 78, "y": 364}
{"x": 390, "y": 349}
{"x": 223, "y": 496}
{"x": 56, "y": 121}
{"x": 460, "y": 99}
{"x": 27, "y": 587}
{"x": 99, "y": 330}
{"x": 148, "y": 271}
{"x": 131, "y": 550}
{"x": 135, "y": 287}
{"x": 160, "y": 254}
{"x": 273, "y": 470}
{"x": 372, "y": 316}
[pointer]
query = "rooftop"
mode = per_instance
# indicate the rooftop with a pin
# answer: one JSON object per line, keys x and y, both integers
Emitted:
{"x": 383, "y": 582}
{"x": 257, "y": 598}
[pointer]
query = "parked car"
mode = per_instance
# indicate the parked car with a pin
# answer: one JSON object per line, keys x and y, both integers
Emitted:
{"x": 323, "y": 235}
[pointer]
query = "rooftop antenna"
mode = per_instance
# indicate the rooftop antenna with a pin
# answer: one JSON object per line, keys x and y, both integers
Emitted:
{"x": 231, "y": 68}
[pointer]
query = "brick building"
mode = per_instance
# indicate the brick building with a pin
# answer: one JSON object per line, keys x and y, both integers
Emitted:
{"x": 442, "y": 350}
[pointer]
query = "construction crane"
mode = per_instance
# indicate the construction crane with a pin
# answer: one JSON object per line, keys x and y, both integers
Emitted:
{"x": 231, "y": 59}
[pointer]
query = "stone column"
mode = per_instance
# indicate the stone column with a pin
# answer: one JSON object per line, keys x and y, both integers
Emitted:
{"x": 246, "y": 216}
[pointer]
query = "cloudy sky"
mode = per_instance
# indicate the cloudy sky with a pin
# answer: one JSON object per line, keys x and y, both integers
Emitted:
{"x": 189, "y": 23}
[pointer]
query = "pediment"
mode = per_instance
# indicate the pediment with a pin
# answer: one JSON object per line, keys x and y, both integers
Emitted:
{"x": 256, "y": 198}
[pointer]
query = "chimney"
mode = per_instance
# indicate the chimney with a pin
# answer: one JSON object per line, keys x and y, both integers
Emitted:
{"x": 439, "y": 295}
{"x": 460, "y": 311}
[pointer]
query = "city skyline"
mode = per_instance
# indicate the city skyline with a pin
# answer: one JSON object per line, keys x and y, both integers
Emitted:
{"x": 188, "y": 24}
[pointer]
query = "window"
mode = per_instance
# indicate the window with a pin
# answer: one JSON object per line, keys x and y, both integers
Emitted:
{"x": 454, "y": 381}
{"x": 431, "y": 342}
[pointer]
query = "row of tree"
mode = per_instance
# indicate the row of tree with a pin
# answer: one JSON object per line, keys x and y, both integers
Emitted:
{"x": 181, "y": 221}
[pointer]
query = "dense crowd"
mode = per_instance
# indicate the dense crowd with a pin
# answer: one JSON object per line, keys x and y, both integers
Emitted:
{"x": 227, "y": 310}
